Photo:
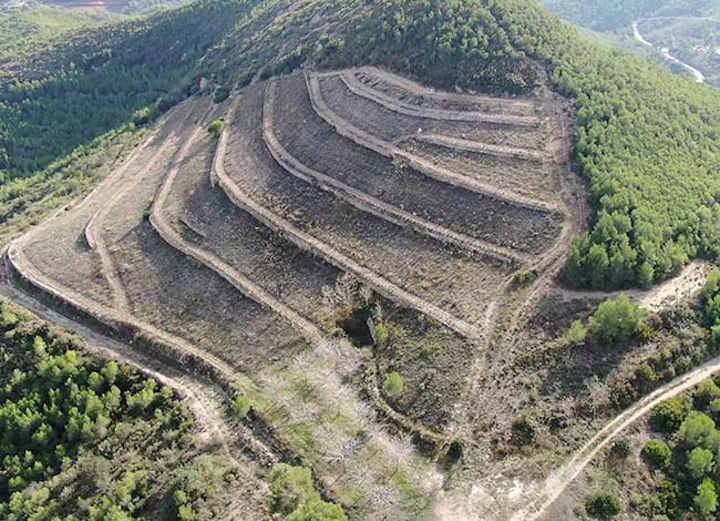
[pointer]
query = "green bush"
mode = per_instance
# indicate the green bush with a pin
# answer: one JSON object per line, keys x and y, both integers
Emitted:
{"x": 523, "y": 277}
{"x": 241, "y": 407}
{"x": 216, "y": 126}
{"x": 603, "y": 505}
{"x": 669, "y": 415}
{"x": 706, "y": 392}
{"x": 657, "y": 452}
{"x": 714, "y": 406}
{"x": 394, "y": 384}
{"x": 616, "y": 320}
{"x": 706, "y": 498}
{"x": 381, "y": 334}
{"x": 317, "y": 510}
{"x": 645, "y": 377}
{"x": 294, "y": 495}
{"x": 577, "y": 333}
{"x": 699, "y": 463}
{"x": 290, "y": 486}
{"x": 696, "y": 429}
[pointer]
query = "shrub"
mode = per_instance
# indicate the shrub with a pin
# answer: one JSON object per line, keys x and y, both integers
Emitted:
{"x": 290, "y": 487}
{"x": 381, "y": 334}
{"x": 577, "y": 333}
{"x": 294, "y": 495}
{"x": 706, "y": 392}
{"x": 603, "y": 505}
{"x": 616, "y": 320}
{"x": 143, "y": 116}
{"x": 317, "y": 510}
{"x": 657, "y": 452}
{"x": 669, "y": 415}
{"x": 216, "y": 126}
{"x": 524, "y": 429}
{"x": 715, "y": 336}
{"x": 523, "y": 277}
{"x": 714, "y": 406}
{"x": 394, "y": 384}
{"x": 241, "y": 407}
{"x": 712, "y": 285}
{"x": 221, "y": 94}
{"x": 700, "y": 462}
{"x": 645, "y": 376}
{"x": 621, "y": 448}
{"x": 706, "y": 497}
{"x": 696, "y": 429}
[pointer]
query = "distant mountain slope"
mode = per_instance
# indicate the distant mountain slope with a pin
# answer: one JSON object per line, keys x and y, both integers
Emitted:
{"x": 68, "y": 94}
{"x": 647, "y": 142}
{"x": 605, "y": 15}
{"x": 688, "y": 30}
{"x": 25, "y": 30}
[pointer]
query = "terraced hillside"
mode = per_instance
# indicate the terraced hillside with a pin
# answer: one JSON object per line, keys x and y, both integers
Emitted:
{"x": 353, "y": 199}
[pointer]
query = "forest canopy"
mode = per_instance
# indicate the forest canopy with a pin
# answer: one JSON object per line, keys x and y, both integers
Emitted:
{"x": 86, "y": 438}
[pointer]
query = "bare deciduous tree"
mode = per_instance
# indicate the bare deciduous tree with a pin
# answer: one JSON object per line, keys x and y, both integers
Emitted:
{"x": 598, "y": 395}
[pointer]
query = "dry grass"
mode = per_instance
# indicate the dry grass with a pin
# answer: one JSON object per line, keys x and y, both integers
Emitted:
{"x": 532, "y": 179}
{"x": 432, "y": 360}
{"x": 62, "y": 244}
{"x": 188, "y": 300}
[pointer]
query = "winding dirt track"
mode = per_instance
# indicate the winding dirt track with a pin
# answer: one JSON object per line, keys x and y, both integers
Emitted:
{"x": 423, "y": 166}
{"x": 688, "y": 282}
{"x": 372, "y": 205}
{"x": 556, "y": 483}
{"x": 360, "y": 89}
{"x": 427, "y": 92}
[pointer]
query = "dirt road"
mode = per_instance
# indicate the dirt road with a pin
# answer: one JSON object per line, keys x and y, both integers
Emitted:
{"x": 559, "y": 480}
{"x": 699, "y": 76}
{"x": 690, "y": 280}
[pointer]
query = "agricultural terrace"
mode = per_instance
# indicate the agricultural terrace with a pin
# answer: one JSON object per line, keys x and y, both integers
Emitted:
{"x": 238, "y": 234}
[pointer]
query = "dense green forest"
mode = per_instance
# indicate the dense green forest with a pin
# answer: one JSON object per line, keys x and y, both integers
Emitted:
{"x": 52, "y": 103}
{"x": 683, "y": 454}
{"x": 82, "y": 438}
